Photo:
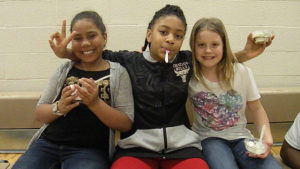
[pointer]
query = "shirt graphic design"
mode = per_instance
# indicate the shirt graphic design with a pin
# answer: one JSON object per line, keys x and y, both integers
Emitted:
{"x": 181, "y": 69}
{"x": 104, "y": 87}
{"x": 218, "y": 113}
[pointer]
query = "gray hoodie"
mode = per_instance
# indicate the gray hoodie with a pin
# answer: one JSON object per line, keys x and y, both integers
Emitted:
{"x": 120, "y": 90}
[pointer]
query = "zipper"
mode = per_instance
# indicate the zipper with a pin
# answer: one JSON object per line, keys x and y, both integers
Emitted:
{"x": 165, "y": 143}
{"x": 165, "y": 79}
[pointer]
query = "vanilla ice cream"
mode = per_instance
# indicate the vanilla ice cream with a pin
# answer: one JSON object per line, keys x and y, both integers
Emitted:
{"x": 261, "y": 36}
{"x": 255, "y": 147}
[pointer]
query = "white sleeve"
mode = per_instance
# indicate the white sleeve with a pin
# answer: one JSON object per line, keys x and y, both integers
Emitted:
{"x": 252, "y": 90}
{"x": 293, "y": 134}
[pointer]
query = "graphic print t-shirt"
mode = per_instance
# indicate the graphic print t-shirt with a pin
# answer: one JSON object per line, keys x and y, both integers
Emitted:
{"x": 80, "y": 127}
{"x": 221, "y": 113}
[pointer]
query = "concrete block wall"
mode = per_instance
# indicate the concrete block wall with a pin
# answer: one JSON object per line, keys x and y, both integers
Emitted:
{"x": 26, "y": 60}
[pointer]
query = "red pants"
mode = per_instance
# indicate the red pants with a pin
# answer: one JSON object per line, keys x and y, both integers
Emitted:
{"x": 157, "y": 163}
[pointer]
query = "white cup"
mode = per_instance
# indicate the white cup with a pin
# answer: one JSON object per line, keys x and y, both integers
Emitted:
{"x": 254, "y": 146}
{"x": 261, "y": 36}
{"x": 77, "y": 98}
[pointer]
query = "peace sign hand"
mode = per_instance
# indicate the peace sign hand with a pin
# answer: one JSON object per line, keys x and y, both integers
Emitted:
{"x": 59, "y": 46}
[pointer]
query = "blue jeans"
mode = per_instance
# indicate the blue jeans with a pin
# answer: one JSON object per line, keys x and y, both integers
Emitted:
{"x": 46, "y": 155}
{"x": 225, "y": 154}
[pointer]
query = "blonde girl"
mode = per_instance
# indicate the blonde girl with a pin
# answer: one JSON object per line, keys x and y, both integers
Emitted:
{"x": 220, "y": 90}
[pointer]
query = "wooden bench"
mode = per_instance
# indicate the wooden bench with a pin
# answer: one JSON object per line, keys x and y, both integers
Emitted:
{"x": 17, "y": 110}
{"x": 282, "y": 107}
{"x": 17, "y": 122}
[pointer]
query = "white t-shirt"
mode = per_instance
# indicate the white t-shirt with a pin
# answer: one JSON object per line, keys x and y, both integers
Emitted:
{"x": 293, "y": 135}
{"x": 220, "y": 113}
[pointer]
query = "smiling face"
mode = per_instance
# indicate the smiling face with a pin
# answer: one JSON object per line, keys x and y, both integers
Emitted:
{"x": 167, "y": 33}
{"x": 89, "y": 41}
{"x": 208, "y": 49}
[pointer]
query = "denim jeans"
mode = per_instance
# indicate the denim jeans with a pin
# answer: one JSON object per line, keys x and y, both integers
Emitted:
{"x": 225, "y": 154}
{"x": 46, "y": 155}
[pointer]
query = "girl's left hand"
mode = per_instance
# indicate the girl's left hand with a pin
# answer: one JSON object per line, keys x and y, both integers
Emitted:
{"x": 252, "y": 49}
{"x": 88, "y": 92}
{"x": 264, "y": 155}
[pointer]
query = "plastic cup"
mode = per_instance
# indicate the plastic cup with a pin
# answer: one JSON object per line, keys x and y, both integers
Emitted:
{"x": 254, "y": 146}
{"x": 77, "y": 98}
{"x": 261, "y": 36}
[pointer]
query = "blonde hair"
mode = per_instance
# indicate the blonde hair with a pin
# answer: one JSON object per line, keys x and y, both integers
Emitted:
{"x": 225, "y": 66}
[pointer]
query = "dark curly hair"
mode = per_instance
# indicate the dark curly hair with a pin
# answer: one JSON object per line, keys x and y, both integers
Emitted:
{"x": 168, "y": 10}
{"x": 91, "y": 15}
